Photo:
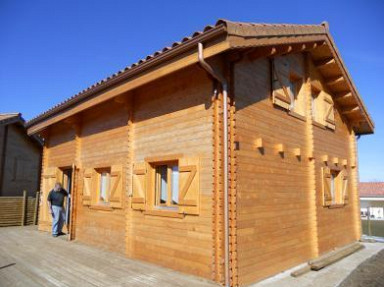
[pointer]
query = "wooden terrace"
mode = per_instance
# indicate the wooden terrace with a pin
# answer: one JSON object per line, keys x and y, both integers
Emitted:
{"x": 32, "y": 258}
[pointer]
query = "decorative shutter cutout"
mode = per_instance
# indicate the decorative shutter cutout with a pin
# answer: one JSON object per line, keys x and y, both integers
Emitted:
{"x": 280, "y": 93}
{"x": 88, "y": 185}
{"x": 116, "y": 185}
{"x": 189, "y": 189}
{"x": 345, "y": 187}
{"x": 327, "y": 196}
{"x": 329, "y": 112}
{"x": 49, "y": 180}
{"x": 139, "y": 185}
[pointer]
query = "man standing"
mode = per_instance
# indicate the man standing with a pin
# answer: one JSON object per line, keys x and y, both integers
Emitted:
{"x": 56, "y": 206}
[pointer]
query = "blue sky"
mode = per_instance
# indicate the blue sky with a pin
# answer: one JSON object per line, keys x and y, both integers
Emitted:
{"x": 50, "y": 50}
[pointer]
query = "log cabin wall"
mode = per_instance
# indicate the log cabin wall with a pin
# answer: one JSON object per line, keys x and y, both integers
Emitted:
{"x": 281, "y": 217}
{"x": 273, "y": 211}
{"x": 61, "y": 145}
{"x": 174, "y": 116}
{"x": 58, "y": 152}
{"x": 181, "y": 105}
{"x": 103, "y": 145}
{"x": 21, "y": 162}
{"x": 336, "y": 226}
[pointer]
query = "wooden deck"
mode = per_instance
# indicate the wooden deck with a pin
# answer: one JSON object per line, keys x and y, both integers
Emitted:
{"x": 32, "y": 258}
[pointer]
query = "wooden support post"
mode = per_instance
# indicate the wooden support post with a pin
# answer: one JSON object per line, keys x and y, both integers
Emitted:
{"x": 24, "y": 208}
{"x": 36, "y": 213}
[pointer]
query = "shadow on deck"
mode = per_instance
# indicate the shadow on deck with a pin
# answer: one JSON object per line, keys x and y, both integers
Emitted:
{"x": 32, "y": 258}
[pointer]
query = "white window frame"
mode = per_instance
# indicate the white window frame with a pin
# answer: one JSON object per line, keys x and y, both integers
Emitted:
{"x": 104, "y": 185}
{"x": 172, "y": 185}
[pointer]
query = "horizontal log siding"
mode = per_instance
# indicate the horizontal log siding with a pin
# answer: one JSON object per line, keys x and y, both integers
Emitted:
{"x": 59, "y": 151}
{"x": 273, "y": 221}
{"x": 174, "y": 116}
{"x": 103, "y": 144}
{"x": 21, "y": 153}
{"x": 337, "y": 226}
{"x": 61, "y": 146}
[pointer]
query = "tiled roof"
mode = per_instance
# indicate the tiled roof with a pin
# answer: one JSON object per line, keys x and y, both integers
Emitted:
{"x": 232, "y": 28}
{"x": 371, "y": 189}
{"x": 8, "y": 117}
{"x": 271, "y": 30}
{"x": 237, "y": 35}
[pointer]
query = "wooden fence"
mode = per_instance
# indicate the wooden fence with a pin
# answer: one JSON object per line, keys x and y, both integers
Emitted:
{"x": 19, "y": 210}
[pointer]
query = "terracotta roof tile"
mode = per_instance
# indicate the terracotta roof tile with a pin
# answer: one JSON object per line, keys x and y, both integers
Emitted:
{"x": 371, "y": 189}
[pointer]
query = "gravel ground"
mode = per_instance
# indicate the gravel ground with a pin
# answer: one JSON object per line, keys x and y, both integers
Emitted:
{"x": 370, "y": 273}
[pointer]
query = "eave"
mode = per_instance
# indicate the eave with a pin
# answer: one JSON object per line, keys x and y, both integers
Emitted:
{"x": 226, "y": 36}
{"x": 160, "y": 66}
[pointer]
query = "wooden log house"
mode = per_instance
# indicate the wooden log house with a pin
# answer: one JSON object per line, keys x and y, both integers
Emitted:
{"x": 230, "y": 155}
{"x": 20, "y": 158}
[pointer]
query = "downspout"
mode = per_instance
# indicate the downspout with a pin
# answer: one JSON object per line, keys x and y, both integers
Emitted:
{"x": 221, "y": 79}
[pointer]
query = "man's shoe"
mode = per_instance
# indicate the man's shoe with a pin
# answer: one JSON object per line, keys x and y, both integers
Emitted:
{"x": 62, "y": 233}
{"x": 55, "y": 235}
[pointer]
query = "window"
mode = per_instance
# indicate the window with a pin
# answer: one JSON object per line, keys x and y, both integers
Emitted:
{"x": 335, "y": 187}
{"x": 104, "y": 184}
{"x": 376, "y": 213}
{"x": 297, "y": 98}
{"x": 103, "y": 187}
{"x": 167, "y": 185}
{"x": 292, "y": 93}
{"x": 286, "y": 87}
{"x": 364, "y": 213}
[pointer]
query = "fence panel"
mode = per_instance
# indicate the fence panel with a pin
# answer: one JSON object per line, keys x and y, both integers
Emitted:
{"x": 18, "y": 210}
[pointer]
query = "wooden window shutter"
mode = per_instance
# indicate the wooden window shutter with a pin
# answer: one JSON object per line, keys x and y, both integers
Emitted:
{"x": 116, "y": 184}
{"x": 139, "y": 183}
{"x": 189, "y": 186}
{"x": 48, "y": 182}
{"x": 344, "y": 185}
{"x": 280, "y": 93}
{"x": 329, "y": 112}
{"x": 88, "y": 185}
{"x": 327, "y": 196}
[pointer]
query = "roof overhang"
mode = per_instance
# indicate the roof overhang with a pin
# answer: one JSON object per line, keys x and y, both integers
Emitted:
{"x": 223, "y": 37}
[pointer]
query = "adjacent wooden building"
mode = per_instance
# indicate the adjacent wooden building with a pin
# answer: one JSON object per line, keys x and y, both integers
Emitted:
{"x": 230, "y": 155}
{"x": 20, "y": 156}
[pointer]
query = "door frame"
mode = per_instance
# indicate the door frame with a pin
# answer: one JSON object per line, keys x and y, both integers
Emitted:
{"x": 70, "y": 199}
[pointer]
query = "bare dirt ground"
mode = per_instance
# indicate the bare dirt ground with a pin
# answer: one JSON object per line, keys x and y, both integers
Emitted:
{"x": 370, "y": 273}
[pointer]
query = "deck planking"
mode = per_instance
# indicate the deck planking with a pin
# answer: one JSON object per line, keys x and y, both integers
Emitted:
{"x": 32, "y": 258}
